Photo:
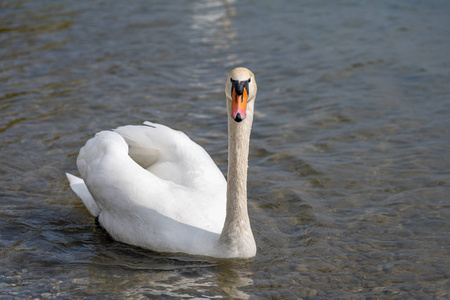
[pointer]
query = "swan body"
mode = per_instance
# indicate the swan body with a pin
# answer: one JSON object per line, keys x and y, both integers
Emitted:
{"x": 153, "y": 187}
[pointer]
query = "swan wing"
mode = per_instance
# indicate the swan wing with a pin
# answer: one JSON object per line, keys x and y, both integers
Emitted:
{"x": 151, "y": 186}
{"x": 173, "y": 156}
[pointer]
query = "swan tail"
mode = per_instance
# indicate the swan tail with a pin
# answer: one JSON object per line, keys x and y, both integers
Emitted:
{"x": 79, "y": 187}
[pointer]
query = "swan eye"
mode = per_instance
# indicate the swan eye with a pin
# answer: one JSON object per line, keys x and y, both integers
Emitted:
{"x": 249, "y": 80}
{"x": 231, "y": 79}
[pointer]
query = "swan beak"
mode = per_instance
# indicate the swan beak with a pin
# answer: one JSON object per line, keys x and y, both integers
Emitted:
{"x": 239, "y": 95}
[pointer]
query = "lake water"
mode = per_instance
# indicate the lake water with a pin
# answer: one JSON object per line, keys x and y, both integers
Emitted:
{"x": 349, "y": 177}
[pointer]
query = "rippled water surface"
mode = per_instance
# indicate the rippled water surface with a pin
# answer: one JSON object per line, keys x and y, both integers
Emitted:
{"x": 350, "y": 151}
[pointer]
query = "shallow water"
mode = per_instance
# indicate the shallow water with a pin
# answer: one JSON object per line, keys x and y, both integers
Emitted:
{"x": 349, "y": 160}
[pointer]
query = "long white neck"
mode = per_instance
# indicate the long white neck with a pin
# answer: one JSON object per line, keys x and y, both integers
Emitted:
{"x": 237, "y": 237}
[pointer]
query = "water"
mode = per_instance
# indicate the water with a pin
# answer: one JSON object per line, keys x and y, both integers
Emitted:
{"x": 349, "y": 164}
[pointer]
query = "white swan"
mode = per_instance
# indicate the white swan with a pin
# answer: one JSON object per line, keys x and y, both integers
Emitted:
{"x": 153, "y": 187}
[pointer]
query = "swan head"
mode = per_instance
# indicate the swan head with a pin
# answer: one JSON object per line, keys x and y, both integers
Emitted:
{"x": 240, "y": 90}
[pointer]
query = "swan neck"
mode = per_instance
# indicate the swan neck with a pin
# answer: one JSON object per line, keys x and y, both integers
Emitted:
{"x": 238, "y": 149}
{"x": 237, "y": 235}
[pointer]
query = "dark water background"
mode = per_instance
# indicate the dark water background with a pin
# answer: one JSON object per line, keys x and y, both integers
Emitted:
{"x": 349, "y": 176}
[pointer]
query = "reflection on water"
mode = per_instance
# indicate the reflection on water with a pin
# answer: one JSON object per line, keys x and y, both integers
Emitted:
{"x": 349, "y": 158}
{"x": 170, "y": 276}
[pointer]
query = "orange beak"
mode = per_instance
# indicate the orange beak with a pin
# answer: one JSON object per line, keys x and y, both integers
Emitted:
{"x": 239, "y": 104}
